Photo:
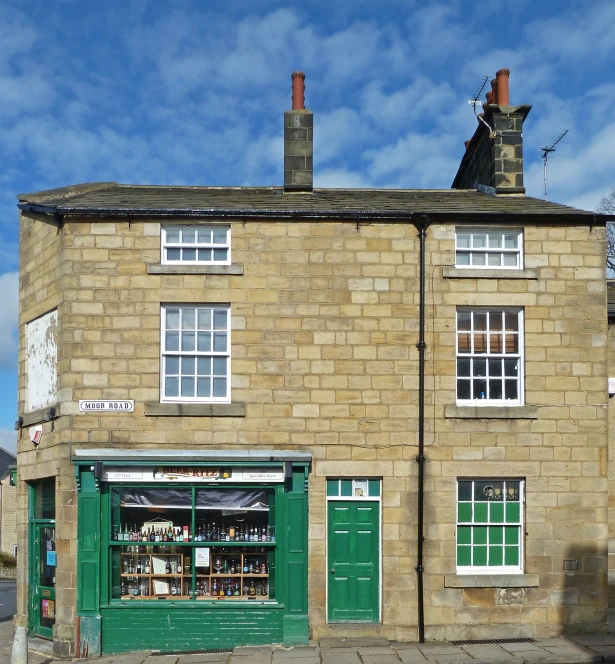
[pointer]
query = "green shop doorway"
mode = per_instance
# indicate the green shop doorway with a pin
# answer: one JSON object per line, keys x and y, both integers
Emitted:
{"x": 353, "y": 550}
{"x": 43, "y": 562}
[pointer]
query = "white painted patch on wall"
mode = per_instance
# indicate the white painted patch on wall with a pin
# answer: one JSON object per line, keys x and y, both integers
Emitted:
{"x": 41, "y": 362}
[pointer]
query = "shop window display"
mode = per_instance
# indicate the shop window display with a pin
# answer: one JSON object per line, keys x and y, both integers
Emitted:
{"x": 184, "y": 543}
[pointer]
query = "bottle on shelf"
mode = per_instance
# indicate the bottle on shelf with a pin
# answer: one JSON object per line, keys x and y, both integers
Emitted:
{"x": 167, "y": 567}
{"x": 123, "y": 587}
{"x": 229, "y": 589}
{"x": 138, "y": 569}
{"x": 236, "y": 592}
{"x": 252, "y": 590}
{"x": 146, "y": 566}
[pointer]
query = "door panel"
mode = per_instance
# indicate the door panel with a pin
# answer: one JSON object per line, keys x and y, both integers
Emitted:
{"x": 43, "y": 583}
{"x": 353, "y": 560}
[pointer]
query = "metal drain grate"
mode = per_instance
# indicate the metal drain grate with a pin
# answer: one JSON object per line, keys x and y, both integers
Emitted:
{"x": 481, "y": 642}
{"x": 207, "y": 651}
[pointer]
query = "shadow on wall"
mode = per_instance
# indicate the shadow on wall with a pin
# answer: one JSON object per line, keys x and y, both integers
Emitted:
{"x": 581, "y": 605}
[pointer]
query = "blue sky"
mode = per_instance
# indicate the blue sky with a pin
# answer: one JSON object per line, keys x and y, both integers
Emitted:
{"x": 193, "y": 92}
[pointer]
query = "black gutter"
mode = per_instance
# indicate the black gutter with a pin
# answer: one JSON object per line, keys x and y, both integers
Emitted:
{"x": 401, "y": 216}
{"x": 421, "y": 222}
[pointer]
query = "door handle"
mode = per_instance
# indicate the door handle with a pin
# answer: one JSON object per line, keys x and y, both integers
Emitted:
{"x": 333, "y": 571}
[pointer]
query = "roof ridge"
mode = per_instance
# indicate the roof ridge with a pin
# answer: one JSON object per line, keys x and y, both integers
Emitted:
{"x": 71, "y": 191}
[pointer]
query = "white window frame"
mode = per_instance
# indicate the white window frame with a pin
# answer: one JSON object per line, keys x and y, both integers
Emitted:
{"x": 164, "y": 353}
{"x": 486, "y": 401}
{"x": 503, "y": 569}
{"x": 165, "y": 244}
{"x": 487, "y": 250}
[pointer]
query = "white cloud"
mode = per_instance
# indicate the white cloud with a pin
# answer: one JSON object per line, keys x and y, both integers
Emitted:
{"x": 9, "y": 287}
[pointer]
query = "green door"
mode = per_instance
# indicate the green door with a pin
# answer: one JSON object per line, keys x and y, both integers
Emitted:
{"x": 43, "y": 581}
{"x": 353, "y": 561}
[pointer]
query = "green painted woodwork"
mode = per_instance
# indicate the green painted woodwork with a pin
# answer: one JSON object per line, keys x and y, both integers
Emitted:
{"x": 464, "y": 512}
{"x": 496, "y": 512}
{"x": 353, "y": 560}
{"x": 480, "y": 512}
{"x": 464, "y": 556}
{"x": 189, "y": 627}
{"x": 513, "y": 512}
{"x": 121, "y": 625}
{"x": 374, "y": 488}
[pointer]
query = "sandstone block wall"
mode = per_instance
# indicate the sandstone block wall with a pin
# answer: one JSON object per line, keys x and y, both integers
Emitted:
{"x": 324, "y": 333}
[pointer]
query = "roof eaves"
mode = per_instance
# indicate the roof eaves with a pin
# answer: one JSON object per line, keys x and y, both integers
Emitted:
{"x": 65, "y": 192}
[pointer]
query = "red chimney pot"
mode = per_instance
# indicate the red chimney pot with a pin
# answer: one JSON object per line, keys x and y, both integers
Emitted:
{"x": 502, "y": 77}
{"x": 490, "y": 97}
{"x": 298, "y": 79}
{"x": 466, "y": 143}
{"x": 494, "y": 90}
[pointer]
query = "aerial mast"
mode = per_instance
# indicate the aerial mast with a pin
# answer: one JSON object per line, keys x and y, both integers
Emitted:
{"x": 546, "y": 151}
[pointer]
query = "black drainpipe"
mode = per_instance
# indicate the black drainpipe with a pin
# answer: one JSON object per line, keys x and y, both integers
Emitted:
{"x": 421, "y": 222}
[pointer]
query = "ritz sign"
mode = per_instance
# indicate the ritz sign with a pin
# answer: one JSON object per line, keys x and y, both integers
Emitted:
{"x": 106, "y": 406}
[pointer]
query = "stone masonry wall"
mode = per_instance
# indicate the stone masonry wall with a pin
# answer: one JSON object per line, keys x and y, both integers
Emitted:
{"x": 325, "y": 326}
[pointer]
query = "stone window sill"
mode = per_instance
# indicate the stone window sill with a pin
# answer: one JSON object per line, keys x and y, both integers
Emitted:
{"x": 195, "y": 269}
{"x": 38, "y": 416}
{"x": 491, "y": 412}
{"x": 491, "y": 273}
{"x": 195, "y": 409}
{"x": 491, "y": 580}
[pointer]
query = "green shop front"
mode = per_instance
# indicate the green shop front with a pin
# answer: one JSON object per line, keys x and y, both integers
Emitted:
{"x": 190, "y": 550}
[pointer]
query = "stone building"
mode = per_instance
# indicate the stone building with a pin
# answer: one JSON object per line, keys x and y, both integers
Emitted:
{"x": 328, "y": 373}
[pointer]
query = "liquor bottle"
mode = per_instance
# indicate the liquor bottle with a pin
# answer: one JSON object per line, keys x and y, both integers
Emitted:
{"x": 135, "y": 588}
{"x": 143, "y": 537}
{"x": 190, "y": 533}
{"x": 214, "y": 532}
{"x": 137, "y": 534}
{"x": 130, "y": 534}
{"x": 125, "y": 565}
{"x": 225, "y": 566}
{"x": 229, "y": 589}
{"x": 268, "y": 535}
{"x": 152, "y": 535}
{"x": 138, "y": 565}
{"x": 131, "y": 568}
{"x": 173, "y": 589}
{"x": 170, "y": 534}
{"x": 251, "y": 567}
{"x": 214, "y": 587}
{"x": 237, "y": 591}
{"x": 257, "y": 567}
{"x": 246, "y": 568}
{"x": 231, "y": 533}
{"x": 252, "y": 590}
{"x": 145, "y": 588}
{"x": 187, "y": 564}
{"x": 123, "y": 587}
{"x": 207, "y": 533}
{"x": 221, "y": 592}
{"x": 146, "y": 567}
{"x": 167, "y": 567}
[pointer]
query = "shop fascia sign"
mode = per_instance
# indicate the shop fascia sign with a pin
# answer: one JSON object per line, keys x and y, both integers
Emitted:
{"x": 198, "y": 474}
{"x": 106, "y": 406}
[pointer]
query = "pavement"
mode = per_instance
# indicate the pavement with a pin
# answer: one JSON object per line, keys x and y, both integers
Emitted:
{"x": 555, "y": 650}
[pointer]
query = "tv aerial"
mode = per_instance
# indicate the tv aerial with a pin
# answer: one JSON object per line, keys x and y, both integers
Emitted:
{"x": 546, "y": 151}
{"x": 475, "y": 101}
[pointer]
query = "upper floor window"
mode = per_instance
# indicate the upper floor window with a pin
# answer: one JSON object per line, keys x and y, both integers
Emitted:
{"x": 204, "y": 245}
{"x": 488, "y": 248}
{"x": 489, "y": 356}
{"x": 196, "y": 353}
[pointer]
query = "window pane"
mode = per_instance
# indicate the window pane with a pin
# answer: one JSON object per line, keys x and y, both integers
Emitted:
{"x": 203, "y": 387}
{"x": 463, "y": 389}
{"x": 174, "y": 254}
{"x": 172, "y": 319}
{"x": 495, "y": 556}
{"x": 511, "y": 241}
{"x": 512, "y": 344}
{"x": 511, "y": 534}
{"x": 187, "y": 366}
{"x": 346, "y": 487}
{"x": 464, "y": 512}
{"x": 463, "y": 367}
{"x": 220, "y": 319}
{"x": 495, "y": 343}
{"x": 188, "y": 319}
{"x": 488, "y": 490}
{"x": 512, "y": 322}
{"x": 463, "y": 258}
{"x": 463, "y": 240}
{"x": 172, "y": 235}
{"x": 495, "y": 389}
{"x": 479, "y": 240}
{"x": 189, "y": 254}
{"x": 511, "y": 555}
{"x": 219, "y": 387}
{"x": 204, "y": 319}
{"x": 480, "y": 343}
{"x": 510, "y": 389}
{"x": 374, "y": 487}
{"x": 220, "y": 342}
{"x": 494, "y": 260}
{"x": 220, "y": 254}
{"x": 187, "y": 385}
{"x": 188, "y": 235}
{"x": 464, "y": 556}
{"x": 333, "y": 487}
{"x": 463, "y": 343}
{"x": 464, "y": 319}
{"x": 495, "y": 240}
{"x": 480, "y": 367}
{"x": 480, "y": 535}
{"x": 495, "y": 321}
{"x": 480, "y": 556}
{"x": 204, "y": 341}
{"x": 172, "y": 341}
{"x": 204, "y": 254}
{"x": 204, "y": 366}
{"x": 480, "y": 512}
{"x": 464, "y": 535}
{"x": 511, "y": 260}
{"x": 188, "y": 340}
{"x": 220, "y": 235}
{"x": 171, "y": 387}
{"x": 464, "y": 490}
{"x": 496, "y": 512}
{"x": 219, "y": 366}
{"x": 478, "y": 259}
{"x": 495, "y": 367}
{"x": 511, "y": 367}
{"x": 512, "y": 491}
{"x": 496, "y": 534}
{"x": 480, "y": 322}
{"x": 172, "y": 366}
{"x": 479, "y": 389}
{"x": 513, "y": 512}
{"x": 203, "y": 235}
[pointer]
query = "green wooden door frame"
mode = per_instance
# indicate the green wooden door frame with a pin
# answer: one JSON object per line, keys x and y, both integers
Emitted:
{"x": 40, "y": 591}
{"x": 353, "y": 561}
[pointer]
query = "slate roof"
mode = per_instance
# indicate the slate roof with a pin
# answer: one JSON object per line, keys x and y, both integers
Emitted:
{"x": 6, "y": 459}
{"x": 114, "y": 199}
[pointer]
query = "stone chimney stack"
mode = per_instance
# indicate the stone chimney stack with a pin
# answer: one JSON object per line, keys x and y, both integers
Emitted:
{"x": 298, "y": 141}
{"x": 494, "y": 155}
